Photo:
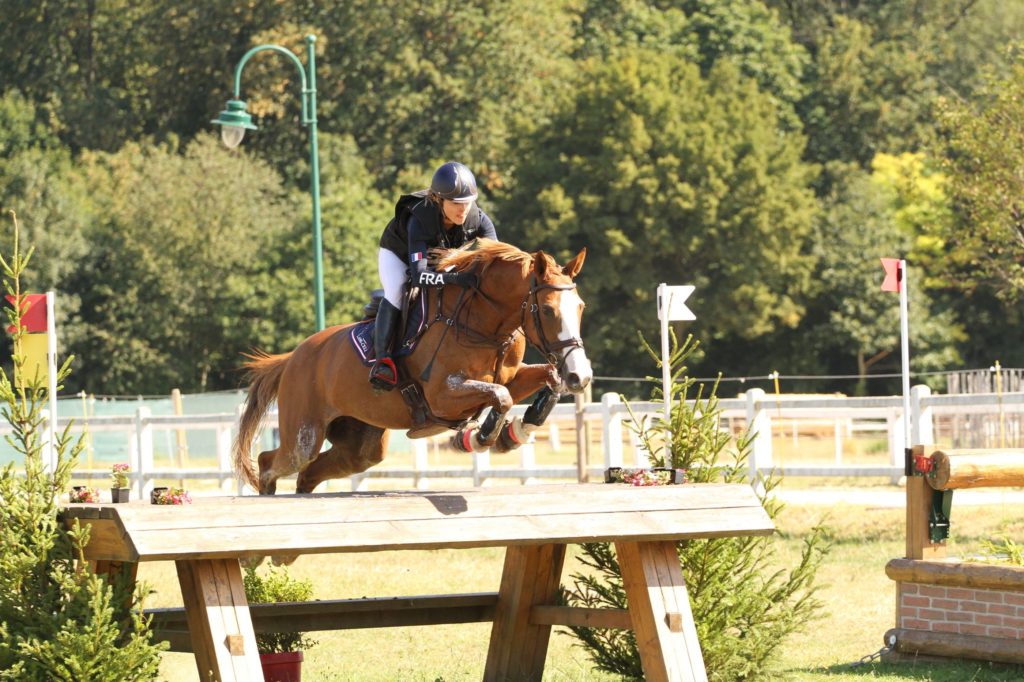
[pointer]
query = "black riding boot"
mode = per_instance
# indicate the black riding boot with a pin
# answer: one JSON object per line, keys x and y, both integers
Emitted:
{"x": 384, "y": 374}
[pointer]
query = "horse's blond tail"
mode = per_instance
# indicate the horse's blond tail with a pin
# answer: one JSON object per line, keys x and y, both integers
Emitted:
{"x": 264, "y": 372}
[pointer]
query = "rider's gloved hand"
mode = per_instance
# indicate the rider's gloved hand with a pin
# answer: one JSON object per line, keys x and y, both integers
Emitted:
{"x": 462, "y": 279}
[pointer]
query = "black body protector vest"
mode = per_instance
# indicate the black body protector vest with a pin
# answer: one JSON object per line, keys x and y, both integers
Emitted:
{"x": 396, "y": 235}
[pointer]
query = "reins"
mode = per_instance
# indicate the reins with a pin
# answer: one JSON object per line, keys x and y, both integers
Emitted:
{"x": 502, "y": 342}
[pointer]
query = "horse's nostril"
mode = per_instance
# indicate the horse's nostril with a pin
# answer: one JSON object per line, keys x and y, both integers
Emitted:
{"x": 573, "y": 382}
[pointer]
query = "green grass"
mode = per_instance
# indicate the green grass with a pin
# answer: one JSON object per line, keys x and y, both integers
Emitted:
{"x": 859, "y": 606}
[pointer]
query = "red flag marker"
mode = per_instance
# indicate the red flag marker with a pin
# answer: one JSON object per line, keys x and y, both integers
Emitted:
{"x": 893, "y": 276}
{"x": 33, "y": 313}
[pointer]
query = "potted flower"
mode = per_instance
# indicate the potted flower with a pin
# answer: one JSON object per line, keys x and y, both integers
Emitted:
{"x": 119, "y": 482}
{"x": 280, "y": 652}
{"x": 80, "y": 494}
{"x": 170, "y": 496}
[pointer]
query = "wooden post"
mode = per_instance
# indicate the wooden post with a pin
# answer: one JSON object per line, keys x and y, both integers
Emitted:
{"x": 219, "y": 623}
{"x": 481, "y": 463}
{"x": 239, "y": 485}
{"x": 223, "y": 438}
{"x": 837, "y": 441}
{"x": 142, "y": 466}
{"x": 554, "y": 436}
{"x": 180, "y": 439}
{"x": 897, "y": 457}
{"x": 582, "y": 439}
{"x": 666, "y": 635}
{"x": 919, "y": 504}
{"x": 611, "y": 434}
{"x": 530, "y": 578}
{"x": 528, "y": 460}
{"x": 420, "y": 463}
{"x": 759, "y": 423}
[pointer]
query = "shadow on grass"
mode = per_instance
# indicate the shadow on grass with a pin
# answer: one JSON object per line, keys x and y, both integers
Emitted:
{"x": 927, "y": 671}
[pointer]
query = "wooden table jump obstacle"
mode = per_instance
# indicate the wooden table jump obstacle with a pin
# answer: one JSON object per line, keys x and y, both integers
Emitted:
{"x": 948, "y": 607}
{"x": 207, "y": 539}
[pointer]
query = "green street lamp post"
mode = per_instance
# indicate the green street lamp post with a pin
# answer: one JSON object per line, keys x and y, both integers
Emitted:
{"x": 235, "y": 120}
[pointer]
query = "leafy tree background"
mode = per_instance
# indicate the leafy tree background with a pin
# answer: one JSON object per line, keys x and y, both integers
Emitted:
{"x": 767, "y": 151}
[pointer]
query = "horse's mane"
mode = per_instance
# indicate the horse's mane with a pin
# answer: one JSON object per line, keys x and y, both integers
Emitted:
{"x": 484, "y": 251}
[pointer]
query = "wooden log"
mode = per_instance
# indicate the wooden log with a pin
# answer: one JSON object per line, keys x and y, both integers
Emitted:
{"x": 171, "y": 624}
{"x": 951, "y": 645}
{"x": 956, "y": 469}
{"x": 956, "y": 574}
{"x": 578, "y": 616}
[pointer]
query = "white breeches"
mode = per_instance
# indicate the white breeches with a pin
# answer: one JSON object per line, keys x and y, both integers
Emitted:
{"x": 392, "y": 276}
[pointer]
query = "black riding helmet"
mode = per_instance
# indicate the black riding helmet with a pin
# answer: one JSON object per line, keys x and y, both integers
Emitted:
{"x": 455, "y": 182}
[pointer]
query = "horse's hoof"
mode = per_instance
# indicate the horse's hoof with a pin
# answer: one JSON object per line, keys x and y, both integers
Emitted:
{"x": 512, "y": 436}
{"x": 466, "y": 440}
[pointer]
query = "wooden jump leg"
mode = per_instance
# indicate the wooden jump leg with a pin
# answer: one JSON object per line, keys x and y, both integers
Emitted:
{"x": 518, "y": 648}
{"x": 660, "y": 609}
{"x": 219, "y": 623}
{"x": 116, "y": 571}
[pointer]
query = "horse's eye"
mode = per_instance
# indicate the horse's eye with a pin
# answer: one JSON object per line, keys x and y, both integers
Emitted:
{"x": 548, "y": 310}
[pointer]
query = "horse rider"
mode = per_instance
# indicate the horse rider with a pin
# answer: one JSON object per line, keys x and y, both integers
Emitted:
{"x": 446, "y": 216}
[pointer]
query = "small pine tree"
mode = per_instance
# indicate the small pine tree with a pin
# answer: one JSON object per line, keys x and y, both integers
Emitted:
{"x": 277, "y": 586}
{"x": 743, "y": 608}
{"x": 58, "y": 620}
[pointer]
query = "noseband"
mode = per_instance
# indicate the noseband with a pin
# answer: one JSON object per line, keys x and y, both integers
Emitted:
{"x": 548, "y": 348}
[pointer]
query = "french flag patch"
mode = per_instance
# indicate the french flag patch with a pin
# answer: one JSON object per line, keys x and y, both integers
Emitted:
{"x": 419, "y": 255}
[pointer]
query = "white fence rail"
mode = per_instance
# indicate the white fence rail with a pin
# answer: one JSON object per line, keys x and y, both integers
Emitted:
{"x": 975, "y": 420}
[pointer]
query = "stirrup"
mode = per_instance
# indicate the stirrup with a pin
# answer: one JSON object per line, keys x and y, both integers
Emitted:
{"x": 378, "y": 376}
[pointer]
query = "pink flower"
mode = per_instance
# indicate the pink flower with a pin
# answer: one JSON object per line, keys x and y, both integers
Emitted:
{"x": 83, "y": 494}
{"x": 173, "y": 496}
{"x": 119, "y": 475}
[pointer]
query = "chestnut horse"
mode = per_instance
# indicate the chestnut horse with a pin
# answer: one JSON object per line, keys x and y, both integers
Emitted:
{"x": 469, "y": 357}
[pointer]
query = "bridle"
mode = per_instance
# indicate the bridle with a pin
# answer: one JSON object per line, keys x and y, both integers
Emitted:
{"x": 547, "y": 348}
{"x": 503, "y": 341}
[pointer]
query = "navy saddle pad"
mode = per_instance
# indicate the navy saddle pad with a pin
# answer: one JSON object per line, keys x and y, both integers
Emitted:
{"x": 361, "y": 334}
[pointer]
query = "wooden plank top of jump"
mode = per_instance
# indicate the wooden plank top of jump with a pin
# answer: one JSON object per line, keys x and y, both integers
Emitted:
{"x": 239, "y": 527}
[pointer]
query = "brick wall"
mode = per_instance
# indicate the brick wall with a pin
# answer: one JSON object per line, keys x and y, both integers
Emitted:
{"x": 961, "y": 610}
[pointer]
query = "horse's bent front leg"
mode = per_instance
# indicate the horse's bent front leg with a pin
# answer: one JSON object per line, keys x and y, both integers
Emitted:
{"x": 467, "y": 394}
{"x": 531, "y": 378}
{"x": 496, "y": 435}
{"x": 518, "y": 431}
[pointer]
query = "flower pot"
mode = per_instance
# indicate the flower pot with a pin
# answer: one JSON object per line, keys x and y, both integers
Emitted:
{"x": 282, "y": 667}
{"x": 611, "y": 474}
{"x": 154, "y": 495}
{"x": 675, "y": 476}
{"x": 118, "y": 495}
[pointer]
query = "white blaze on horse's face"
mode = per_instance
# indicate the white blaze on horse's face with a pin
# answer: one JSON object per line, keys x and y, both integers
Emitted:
{"x": 577, "y": 373}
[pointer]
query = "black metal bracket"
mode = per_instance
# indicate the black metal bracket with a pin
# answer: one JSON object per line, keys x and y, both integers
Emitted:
{"x": 938, "y": 515}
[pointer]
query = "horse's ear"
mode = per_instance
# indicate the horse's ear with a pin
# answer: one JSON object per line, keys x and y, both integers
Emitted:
{"x": 540, "y": 264}
{"x": 573, "y": 267}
